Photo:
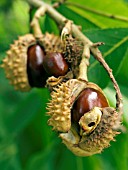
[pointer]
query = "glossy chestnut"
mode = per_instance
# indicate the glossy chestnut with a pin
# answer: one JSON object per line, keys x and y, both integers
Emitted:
{"x": 87, "y": 100}
{"x": 55, "y": 64}
{"x": 36, "y": 74}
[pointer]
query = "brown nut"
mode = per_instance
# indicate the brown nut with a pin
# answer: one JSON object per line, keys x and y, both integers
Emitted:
{"x": 89, "y": 98}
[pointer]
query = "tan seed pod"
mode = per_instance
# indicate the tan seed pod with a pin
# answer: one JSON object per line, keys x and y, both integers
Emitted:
{"x": 59, "y": 107}
{"x": 51, "y": 43}
{"x": 15, "y": 63}
{"x": 104, "y": 133}
{"x": 95, "y": 129}
{"x": 99, "y": 139}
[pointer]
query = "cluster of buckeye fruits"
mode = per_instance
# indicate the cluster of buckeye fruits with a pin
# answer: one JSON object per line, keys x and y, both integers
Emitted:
{"x": 78, "y": 110}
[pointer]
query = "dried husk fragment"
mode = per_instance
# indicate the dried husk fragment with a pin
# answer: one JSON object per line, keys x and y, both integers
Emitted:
{"x": 73, "y": 50}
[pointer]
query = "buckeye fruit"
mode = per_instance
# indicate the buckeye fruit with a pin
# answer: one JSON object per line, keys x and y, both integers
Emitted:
{"x": 37, "y": 76}
{"x": 55, "y": 64}
{"x": 23, "y": 64}
{"x": 86, "y": 101}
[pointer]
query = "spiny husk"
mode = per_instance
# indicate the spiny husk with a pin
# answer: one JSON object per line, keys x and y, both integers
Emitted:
{"x": 104, "y": 132}
{"x": 51, "y": 43}
{"x": 53, "y": 82}
{"x": 59, "y": 107}
{"x": 15, "y": 63}
{"x": 99, "y": 139}
{"x": 62, "y": 99}
{"x": 73, "y": 50}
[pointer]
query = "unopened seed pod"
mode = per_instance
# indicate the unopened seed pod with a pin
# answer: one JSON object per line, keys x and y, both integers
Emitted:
{"x": 91, "y": 131}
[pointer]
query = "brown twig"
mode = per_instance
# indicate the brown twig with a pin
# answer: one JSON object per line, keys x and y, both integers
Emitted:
{"x": 58, "y": 3}
{"x": 119, "y": 105}
{"x": 84, "y": 63}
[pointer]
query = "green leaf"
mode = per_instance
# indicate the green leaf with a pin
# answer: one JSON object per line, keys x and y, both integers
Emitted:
{"x": 110, "y": 93}
{"x": 17, "y": 22}
{"x": 113, "y": 52}
{"x": 24, "y": 113}
{"x": 56, "y": 156}
{"x": 122, "y": 74}
{"x": 9, "y": 159}
{"x": 118, "y": 150}
{"x": 126, "y": 1}
{"x": 44, "y": 159}
{"x": 45, "y": 129}
{"x": 115, "y": 157}
{"x": 50, "y": 26}
{"x": 78, "y": 19}
{"x": 118, "y": 8}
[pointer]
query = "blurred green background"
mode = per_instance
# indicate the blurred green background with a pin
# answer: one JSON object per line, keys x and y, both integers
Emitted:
{"x": 26, "y": 141}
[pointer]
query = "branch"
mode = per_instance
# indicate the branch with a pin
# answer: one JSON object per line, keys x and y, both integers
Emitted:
{"x": 61, "y": 20}
{"x": 35, "y": 21}
{"x": 84, "y": 63}
{"x": 119, "y": 105}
